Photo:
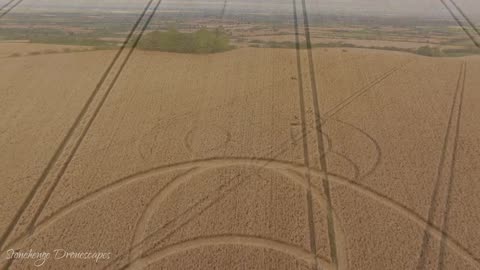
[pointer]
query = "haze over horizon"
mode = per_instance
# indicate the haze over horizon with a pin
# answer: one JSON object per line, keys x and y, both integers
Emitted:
{"x": 427, "y": 8}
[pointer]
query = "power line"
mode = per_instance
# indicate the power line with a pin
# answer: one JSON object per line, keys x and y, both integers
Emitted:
{"x": 78, "y": 120}
{"x": 93, "y": 117}
{"x": 224, "y": 9}
{"x": 452, "y": 121}
{"x": 466, "y": 17}
{"x": 311, "y": 223}
{"x": 6, "y": 4}
{"x": 320, "y": 140}
{"x": 10, "y": 8}
{"x": 472, "y": 38}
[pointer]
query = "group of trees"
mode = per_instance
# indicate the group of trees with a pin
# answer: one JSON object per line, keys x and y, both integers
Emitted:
{"x": 201, "y": 41}
{"x": 429, "y": 51}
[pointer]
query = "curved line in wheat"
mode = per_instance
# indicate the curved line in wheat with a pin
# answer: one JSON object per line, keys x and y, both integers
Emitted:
{"x": 154, "y": 204}
{"x": 356, "y": 169}
{"x": 117, "y": 184}
{"x": 222, "y": 162}
{"x": 242, "y": 240}
{"x": 149, "y": 211}
{"x": 188, "y": 139}
{"x": 369, "y": 138}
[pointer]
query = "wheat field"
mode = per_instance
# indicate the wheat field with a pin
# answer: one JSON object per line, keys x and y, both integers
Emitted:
{"x": 225, "y": 161}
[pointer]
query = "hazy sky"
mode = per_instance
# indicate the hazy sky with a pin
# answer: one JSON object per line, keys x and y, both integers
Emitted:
{"x": 387, "y": 7}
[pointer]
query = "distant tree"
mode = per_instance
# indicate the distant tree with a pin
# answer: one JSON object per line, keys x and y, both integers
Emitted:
{"x": 201, "y": 41}
{"x": 429, "y": 51}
